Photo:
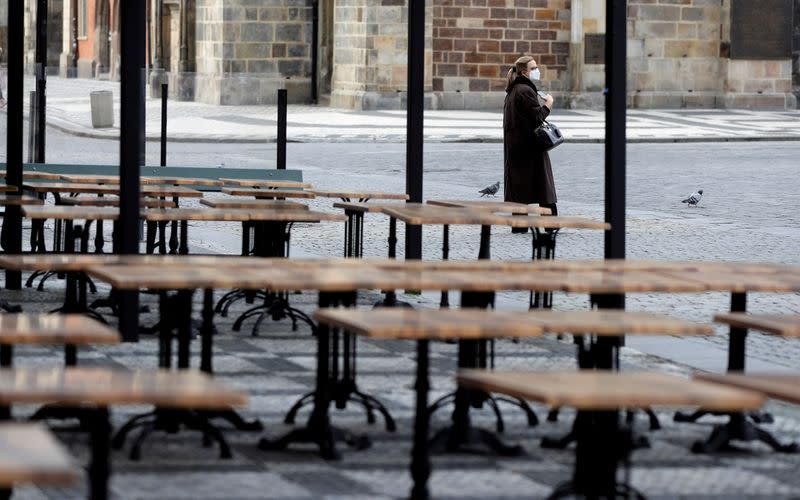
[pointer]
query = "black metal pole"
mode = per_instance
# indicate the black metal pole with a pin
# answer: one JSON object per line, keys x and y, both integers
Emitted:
{"x": 282, "y": 104}
{"x": 164, "y": 92}
{"x": 414, "y": 120}
{"x": 132, "y": 45}
{"x": 41, "y": 78}
{"x": 615, "y": 171}
{"x": 616, "y": 58}
{"x": 12, "y": 220}
{"x": 314, "y": 48}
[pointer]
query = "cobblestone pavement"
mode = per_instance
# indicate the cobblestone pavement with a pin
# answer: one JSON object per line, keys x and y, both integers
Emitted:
{"x": 276, "y": 368}
{"x": 69, "y": 111}
{"x": 743, "y": 217}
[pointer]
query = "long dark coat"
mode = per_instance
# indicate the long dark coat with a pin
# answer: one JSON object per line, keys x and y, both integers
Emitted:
{"x": 528, "y": 175}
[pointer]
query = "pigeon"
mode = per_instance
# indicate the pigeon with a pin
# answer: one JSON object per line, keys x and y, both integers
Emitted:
{"x": 490, "y": 190}
{"x": 694, "y": 198}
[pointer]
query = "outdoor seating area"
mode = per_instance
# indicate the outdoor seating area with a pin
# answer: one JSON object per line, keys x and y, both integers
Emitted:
{"x": 329, "y": 304}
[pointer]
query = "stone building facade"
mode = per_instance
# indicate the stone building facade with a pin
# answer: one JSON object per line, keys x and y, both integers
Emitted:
{"x": 352, "y": 53}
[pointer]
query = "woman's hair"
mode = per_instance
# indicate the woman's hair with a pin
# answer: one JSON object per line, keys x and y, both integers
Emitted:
{"x": 519, "y": 66}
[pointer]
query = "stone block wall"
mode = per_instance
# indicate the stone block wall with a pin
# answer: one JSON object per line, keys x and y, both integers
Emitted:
{"x": 475, "y": 42}
{"x": 371, "y": 54}
{"x": 247, "y": 49}
{"x": 759, "y": 85}
{"x": 674, "y": 53}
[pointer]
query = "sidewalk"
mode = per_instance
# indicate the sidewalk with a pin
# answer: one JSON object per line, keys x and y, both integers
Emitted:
{"x": 68, "y": 110}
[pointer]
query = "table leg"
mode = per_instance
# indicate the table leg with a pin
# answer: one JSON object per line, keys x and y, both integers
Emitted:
{"x": 420, "y": 457}
{"x": 319, "y": 430}
{"x": 485, "y": 249}
{"x": 184, "y": 239}
{"x": 100, "y": 464}
{"x": 99, "y": 241}
{"x": 445, "y": 300}
{"x": 740, "y": 426}
{"x": 461, "y": 434}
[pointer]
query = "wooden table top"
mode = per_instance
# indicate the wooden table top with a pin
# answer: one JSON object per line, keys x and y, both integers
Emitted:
{"x": 495, "y": 206}
{"x": 173, "y": 191}
{"x": 607, "y": 390}
{"x": 104, "y": 387}
{"x": 782, "y": 386}
{"x": 787, "y": 325}
{"x": 113, "y": 201}
{"x": 33, "y": 174}
{"x": 70, "y": 212}
{"x": 353, "y": 274}
{"x": 363, "y": 207}
{"x": 182, "y": 181}
{"x": 373, "y": 195}
{"x": 91, "y": 178}
{"x": 29, "y": 453}
{"x": 478, "y": 323}
{"x": 80, "y": 262}
{"x": 240, "y": 215}
{"x": 554, "y": 222}
{"x": 268, "y": 193}
{"x": 5, "y": 188}
{"x": 731, "y": 281}
{"x": 71, "y": 187}
{"x": 17, "y": 199}
{"x": 250, "y": 203}
{"x": 263, "y": 183}
{"x": 54, "y": 329}
{"x": 419, "y": 213}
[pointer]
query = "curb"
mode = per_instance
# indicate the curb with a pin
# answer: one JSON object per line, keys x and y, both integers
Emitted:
{"x": 70, "y": 128}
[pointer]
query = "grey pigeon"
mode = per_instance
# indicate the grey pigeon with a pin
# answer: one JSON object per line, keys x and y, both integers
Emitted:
{"x": 694, "y": 198}
{"x": 490, "y": 190}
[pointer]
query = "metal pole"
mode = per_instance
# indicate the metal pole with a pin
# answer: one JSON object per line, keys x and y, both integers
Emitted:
{"x": 616, "y": 58}
{"x": 414, "y": 120}
{"x": 12, "y": 220}
{"x": 616, "y": 96}
{"x": 132, "y": 27}
{"x": 41, "y": 78}
{"x": 164, "y": 91}
{"x": 314, "y": 48}
{"x": 282, "y": 99}
{"x": 31, "y": 125}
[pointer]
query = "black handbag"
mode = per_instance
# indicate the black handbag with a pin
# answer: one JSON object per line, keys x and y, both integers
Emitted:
{"x": 547, "y": 136}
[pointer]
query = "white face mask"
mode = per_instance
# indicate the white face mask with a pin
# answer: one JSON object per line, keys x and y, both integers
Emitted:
{"x": 535, "y": 75}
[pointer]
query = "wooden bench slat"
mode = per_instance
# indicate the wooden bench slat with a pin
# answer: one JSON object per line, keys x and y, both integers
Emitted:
{"x": 782, "y": 386}
{"x": 495, "y": 206}
{"x": 113, "y": 201}
{"x": 469, "y": 323}
{"x": 70, "y": 212}
{"x": 71, "y": 187}
{"x": 363, "y": 207}
{"x": 247, "y": 203}
{"x": 787, "y": 325}
{"x": 607, "y": 390}
{"x": 265, "y": 183}
{"x": 54, "y": 329}
{"x": 29, "y": 453}
{"x": 106, "y": 387}
{"x": 269, "y": 193}
{"x": 374, "y": 195}
{"x": 16, "y": 199}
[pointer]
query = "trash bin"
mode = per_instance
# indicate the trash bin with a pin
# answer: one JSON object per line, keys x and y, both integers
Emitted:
{"x": 102, "y": 102}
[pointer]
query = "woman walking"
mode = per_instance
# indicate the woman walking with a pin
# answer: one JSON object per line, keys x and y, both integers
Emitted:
{"x": 528, "y": 177}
